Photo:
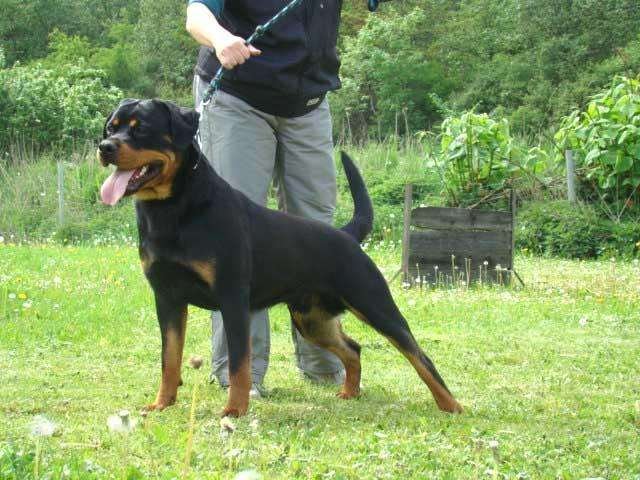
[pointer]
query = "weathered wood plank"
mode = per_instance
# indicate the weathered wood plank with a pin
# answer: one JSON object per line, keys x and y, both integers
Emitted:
{"x": 460, "y": 219}
{"x": 437, "y": 246}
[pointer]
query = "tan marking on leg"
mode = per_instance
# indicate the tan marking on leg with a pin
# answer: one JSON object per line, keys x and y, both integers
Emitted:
{"x": 206, "y": 270}
{"x": 444, "y": 399}
{"x": 171, "y": 367}
{"x": 239, "y": 386}
{"x": 146, "y": 261}
{"x": 324, "y": 330}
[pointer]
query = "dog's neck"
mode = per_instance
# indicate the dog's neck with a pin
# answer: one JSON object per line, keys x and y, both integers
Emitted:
{"x": 192, "y": 190}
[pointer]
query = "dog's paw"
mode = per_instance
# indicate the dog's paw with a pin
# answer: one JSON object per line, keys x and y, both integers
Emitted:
{"x": 234, "y": 411}
{"x": 160, "y": 405}
{"x": 348, "y": 394}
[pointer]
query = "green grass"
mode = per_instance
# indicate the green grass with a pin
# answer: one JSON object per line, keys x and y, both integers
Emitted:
{"x": 548, "y": 376}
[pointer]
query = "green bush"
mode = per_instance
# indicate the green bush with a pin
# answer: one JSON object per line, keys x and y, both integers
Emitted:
{"x": 606, "y": 138}
{"x": 479, "y": 159}
{"x": 563, "y": 229}
{"x": 60, "y": 107}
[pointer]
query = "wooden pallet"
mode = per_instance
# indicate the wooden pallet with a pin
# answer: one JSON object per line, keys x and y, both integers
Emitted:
{"x": 453, "y": 245}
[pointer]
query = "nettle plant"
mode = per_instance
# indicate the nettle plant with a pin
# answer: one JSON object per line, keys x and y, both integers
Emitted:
{"x": 479, "y": 159}
{"x": 606, "y": 139}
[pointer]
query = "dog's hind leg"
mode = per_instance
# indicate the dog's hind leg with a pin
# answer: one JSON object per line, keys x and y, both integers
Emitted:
{"x": 367, "y": 296}
{"x": 320, "y": 326}
{"x": 172, "y": 318}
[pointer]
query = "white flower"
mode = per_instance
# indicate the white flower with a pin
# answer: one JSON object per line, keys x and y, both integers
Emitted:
{"x": 1, "y": 239}
{"x": 42, "y": 427}
{"x": 27, "y": 304}
{"x": 121, "y": 422}
{"x": 12, "y": 296}
{"x": 583, "y": 321}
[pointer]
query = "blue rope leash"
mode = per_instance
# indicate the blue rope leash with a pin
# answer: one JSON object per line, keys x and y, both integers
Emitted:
{"x": 259, "y": 31}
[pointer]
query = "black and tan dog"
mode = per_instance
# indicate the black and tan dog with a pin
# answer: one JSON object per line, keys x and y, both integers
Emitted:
{"x": 203, "y": 243}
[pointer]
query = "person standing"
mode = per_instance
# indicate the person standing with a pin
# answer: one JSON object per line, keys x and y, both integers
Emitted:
{"x": 270, "y": 119}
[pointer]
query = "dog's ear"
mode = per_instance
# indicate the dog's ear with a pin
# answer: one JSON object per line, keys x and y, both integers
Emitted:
{"x": 184, "y": 124}
{"x": 123, "y": 103}
{"x": 106, "y": 122}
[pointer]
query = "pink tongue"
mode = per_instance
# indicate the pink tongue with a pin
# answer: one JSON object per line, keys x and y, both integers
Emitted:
{"x": 114, "y": 187}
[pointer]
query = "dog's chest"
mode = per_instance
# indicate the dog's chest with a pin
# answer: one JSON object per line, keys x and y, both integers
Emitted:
{"x": 193, "y": 281}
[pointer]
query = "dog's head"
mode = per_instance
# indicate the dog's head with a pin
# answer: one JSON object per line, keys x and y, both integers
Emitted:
{"x": 146, "y": 141}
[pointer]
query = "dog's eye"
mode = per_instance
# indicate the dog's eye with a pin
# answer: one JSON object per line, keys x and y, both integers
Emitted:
{"x": 139, "y": 130}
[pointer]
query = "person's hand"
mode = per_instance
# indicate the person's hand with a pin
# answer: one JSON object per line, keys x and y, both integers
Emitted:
{"x": 232, "y": 51}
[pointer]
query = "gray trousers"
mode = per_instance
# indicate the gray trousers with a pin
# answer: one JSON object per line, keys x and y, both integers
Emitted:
{"x": 249, "y": 149}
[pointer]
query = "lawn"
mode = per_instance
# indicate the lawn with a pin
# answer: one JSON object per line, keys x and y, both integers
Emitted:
{"x": 549, "y": 376}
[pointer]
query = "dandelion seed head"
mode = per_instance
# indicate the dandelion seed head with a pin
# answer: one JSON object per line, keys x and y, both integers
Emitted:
{"x": 41, "y": 426}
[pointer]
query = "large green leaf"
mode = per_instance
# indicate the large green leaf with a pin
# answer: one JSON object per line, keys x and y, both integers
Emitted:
{"x": 623, "y": 163}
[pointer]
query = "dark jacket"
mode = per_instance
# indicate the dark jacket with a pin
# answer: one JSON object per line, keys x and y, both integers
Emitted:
{"x": 299, "y": 62}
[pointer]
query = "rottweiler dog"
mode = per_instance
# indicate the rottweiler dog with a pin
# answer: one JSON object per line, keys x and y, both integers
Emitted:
{"x": 203, "y": 243}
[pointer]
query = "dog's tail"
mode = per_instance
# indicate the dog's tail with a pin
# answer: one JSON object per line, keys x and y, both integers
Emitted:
{"x": 362, "y": 221}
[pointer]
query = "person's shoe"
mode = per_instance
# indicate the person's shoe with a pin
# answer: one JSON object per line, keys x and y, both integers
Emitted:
{"x": 257, "y": 391}
{"x": 336, "y": 378}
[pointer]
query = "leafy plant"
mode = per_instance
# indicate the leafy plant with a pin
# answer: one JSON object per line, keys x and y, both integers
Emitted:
{"x": 479, "y": 158}
{"x": 62, "y": 106}
{"x": 606, "y": 137}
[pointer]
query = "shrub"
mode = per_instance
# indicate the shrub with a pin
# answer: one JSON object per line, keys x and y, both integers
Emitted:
{"x": 563, "y": 229}
{"x": 49, "y": 107}
{"x": 479, "y": 158}
{"x": 606, "y": 138}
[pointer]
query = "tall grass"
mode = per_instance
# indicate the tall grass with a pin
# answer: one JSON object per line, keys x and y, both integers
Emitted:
{"x": 29, "y": 196}
{"x": 29, "y": 193}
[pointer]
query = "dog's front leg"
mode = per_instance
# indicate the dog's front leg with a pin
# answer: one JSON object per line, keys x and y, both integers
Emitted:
{"x": 172, "y": 317}
{"x": 234, "y": 307}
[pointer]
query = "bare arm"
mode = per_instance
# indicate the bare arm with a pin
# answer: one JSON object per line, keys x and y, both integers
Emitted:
{"x": 203, "y": 26}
